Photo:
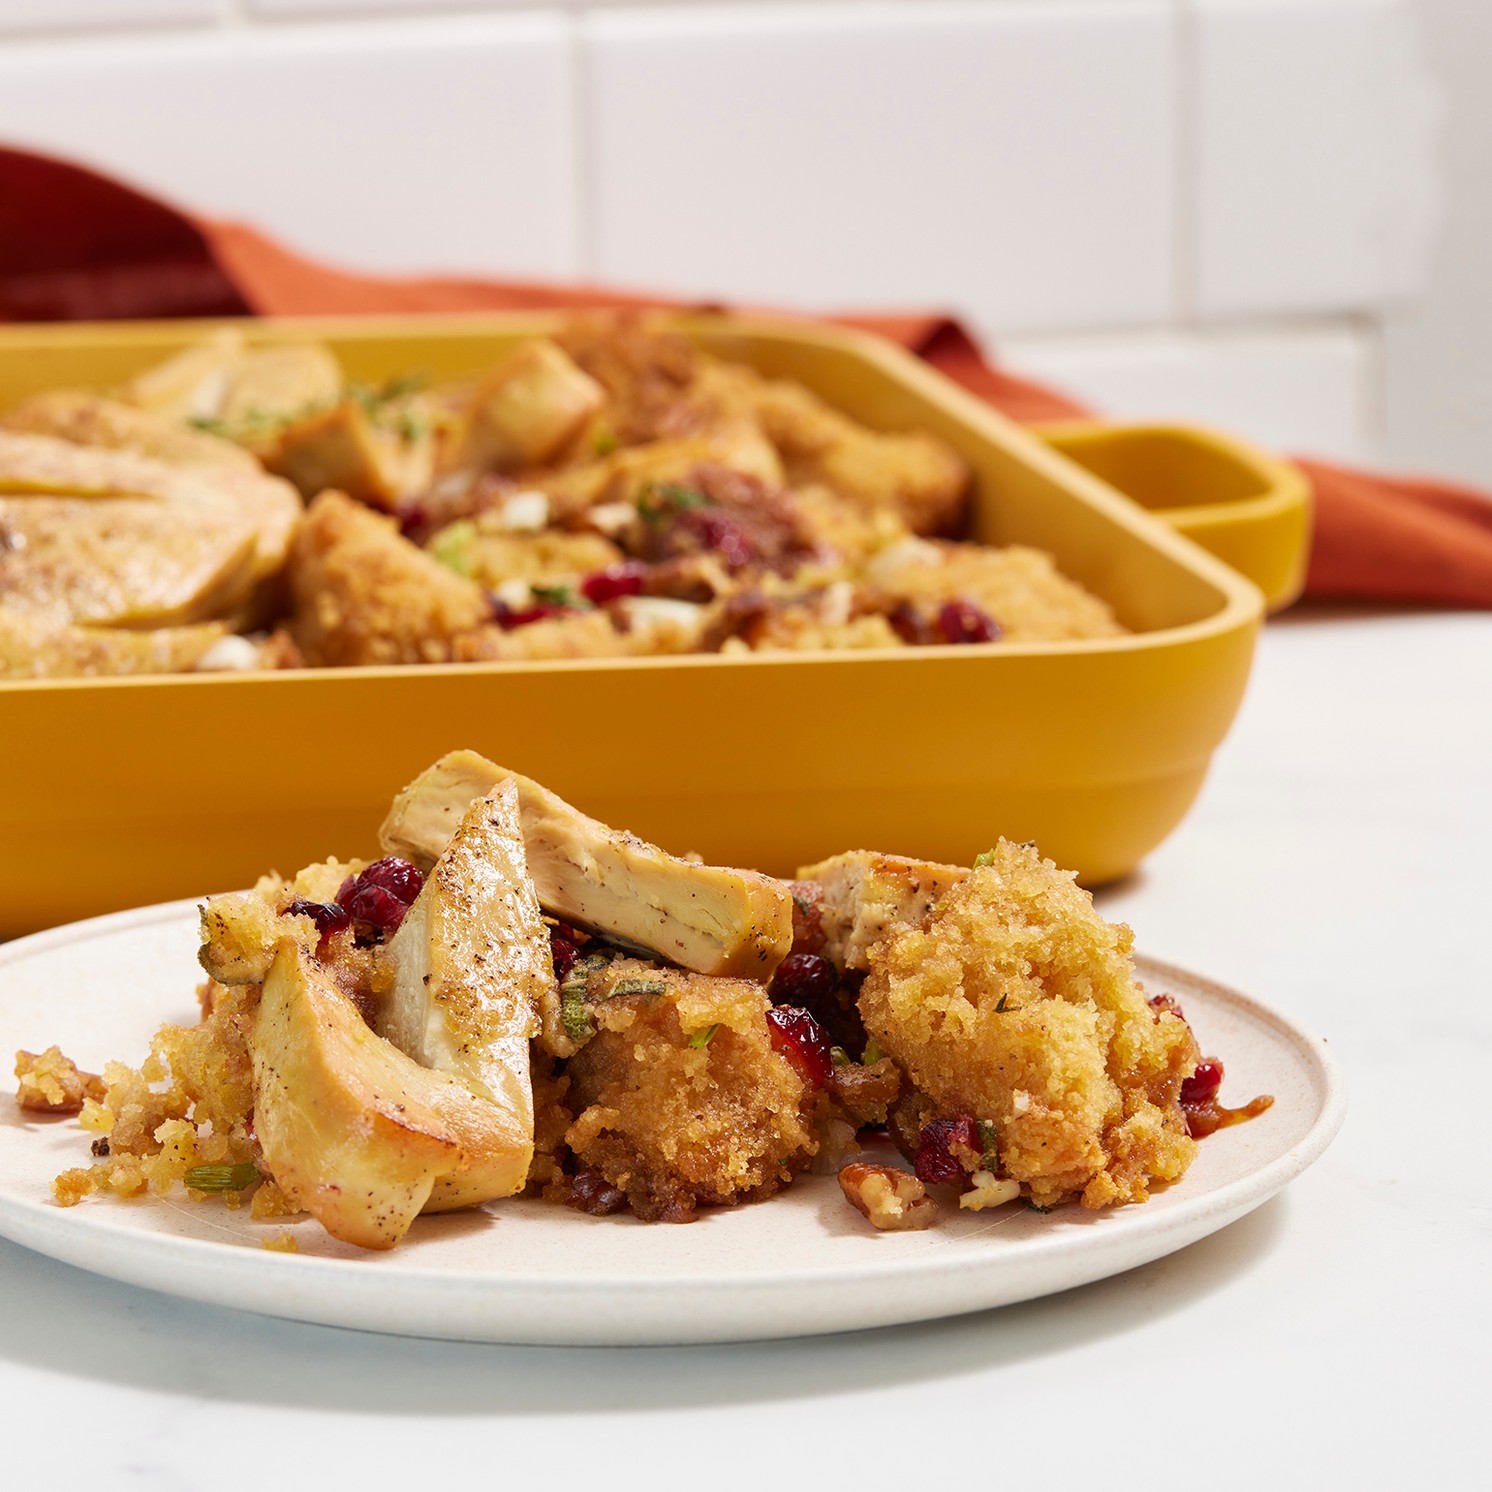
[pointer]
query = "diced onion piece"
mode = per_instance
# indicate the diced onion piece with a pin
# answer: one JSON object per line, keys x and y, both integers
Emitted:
{"x": 515, "y": 594}
{"x": 525, "y": 513}
{"x": 903, "y": 555}
{"x": 989, "y": 1190}
{"x": 232, "y": 654}
{"x": 612, "y": 519}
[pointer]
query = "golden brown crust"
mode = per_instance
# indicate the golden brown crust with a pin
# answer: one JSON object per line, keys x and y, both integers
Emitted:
{"x": 363, "y": 594}
{"x": 681, "y": 1099}
{"x": 1015, "y": 1002}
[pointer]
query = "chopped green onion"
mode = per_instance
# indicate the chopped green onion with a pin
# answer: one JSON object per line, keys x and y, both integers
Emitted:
{"x": 411, "y": 426}
{"x": 455, "y": 546}
{"x": 637, "y": 987}
{"x": 555, "y": 595}
{"x": 661, "y": 500}
{"x": 222, "y": 1178}
{"x": 873, "y": 1053}
{"x": 987, "y": 858}
{"x": 988, "y": 1143}
{"x": 371, "y": 397}
{"x": 702, "y": 1038}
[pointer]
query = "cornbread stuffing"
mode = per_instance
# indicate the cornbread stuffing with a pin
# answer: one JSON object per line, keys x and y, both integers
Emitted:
{"x": 612, "y": 491}
{"x": 537, "y": 1004}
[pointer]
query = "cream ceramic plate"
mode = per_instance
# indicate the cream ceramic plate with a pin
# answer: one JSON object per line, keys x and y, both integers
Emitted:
{"x": 531, "y": 1272}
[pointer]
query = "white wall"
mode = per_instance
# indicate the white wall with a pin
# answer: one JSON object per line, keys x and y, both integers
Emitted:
{"x": 1438, "y": 346}
{"x": 1205, "y": 208}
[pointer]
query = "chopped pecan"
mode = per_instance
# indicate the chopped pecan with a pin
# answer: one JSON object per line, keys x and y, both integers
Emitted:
{"x": 892, "y": 1200}
{"x": 51, "y": 1083}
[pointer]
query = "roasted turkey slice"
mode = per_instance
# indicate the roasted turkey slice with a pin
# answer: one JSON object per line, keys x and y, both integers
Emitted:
{"x": 470, "y": 962}
{"x": 357, "y": 1133}
{"x": 707, "y": 918}
{"x": 110, "y": 538}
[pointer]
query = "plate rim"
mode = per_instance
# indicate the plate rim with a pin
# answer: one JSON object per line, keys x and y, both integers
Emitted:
{"x": 110, "y": 1247}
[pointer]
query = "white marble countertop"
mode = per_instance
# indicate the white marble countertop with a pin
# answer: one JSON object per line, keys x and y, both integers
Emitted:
{"x": 1337, "y": 866}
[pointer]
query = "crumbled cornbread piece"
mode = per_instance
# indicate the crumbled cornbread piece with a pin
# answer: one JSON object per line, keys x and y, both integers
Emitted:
{"x": 1021, "y": 588}
{"x": 1014, "y": 1001}
{"x": 363, "y": 594}
{"x": 190, "y": 1103}
{"x": 681, "y": 1097}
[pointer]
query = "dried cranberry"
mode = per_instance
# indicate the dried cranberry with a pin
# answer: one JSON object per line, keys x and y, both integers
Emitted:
{"x": 614, "y": 582}
{"x": 810, "y": 982}
{"x": 721, "y": 533}
{"x": 378, "y": 908}
{"x": 508, "y": 617}
{"x": 1163, "y": 1003}
{"x": 938, "y": 1144}
{"x": 803, "y": 979}
{"x": 413, "y": 517}
{"x": 563, "y": 952}
{"x": 329, "y": 916}
{"x": 801, "y": 1039}
{"x": 397, "y": 877}
{"x": 963, "y": 621}
{"x": 1201, "y": 1087}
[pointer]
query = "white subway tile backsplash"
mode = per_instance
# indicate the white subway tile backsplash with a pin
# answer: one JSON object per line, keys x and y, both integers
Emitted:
{"x": 402, "y": 146}
{"x": 1305, "y": 390}
{"x": 1314, "y": 155}
{"x": 59, "y": 15}
{"x": 1010, "y": 160}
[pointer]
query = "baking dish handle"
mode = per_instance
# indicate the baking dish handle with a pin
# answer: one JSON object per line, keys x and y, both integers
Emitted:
{"x": 1251, "y": 509}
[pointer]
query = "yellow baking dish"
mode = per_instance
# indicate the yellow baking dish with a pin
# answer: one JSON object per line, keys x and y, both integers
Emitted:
{"x": 1250, "y": 509}
{"x": 116, "y": 792}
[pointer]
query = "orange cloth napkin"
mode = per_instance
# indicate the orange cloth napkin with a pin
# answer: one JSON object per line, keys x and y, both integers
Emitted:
{"x": 78, "y": 246}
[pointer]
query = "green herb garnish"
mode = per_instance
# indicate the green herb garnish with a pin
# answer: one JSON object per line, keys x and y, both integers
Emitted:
{"x": 411, "y": 426}
{"x": 1000, "y": 1004}
{"x": 873, "y": 1053}
{"x": 987, "y": 858}
{"x": 603, "y": 443}
{"x": 555, "y": 595}
{"x": 455, "y": 546}
{"x": 703, "y": 1038}
{"x": 252, "y": 424}
{"x": 660, "y": 501}
{"x": 988, "y": 1143}
{"x": 573, "y": 1015}
{"x": 839, "y": 1056}
{"x": 222, "y": 1178}
{"x": 374, "y": 396}
{"x": 636, "y": 987}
